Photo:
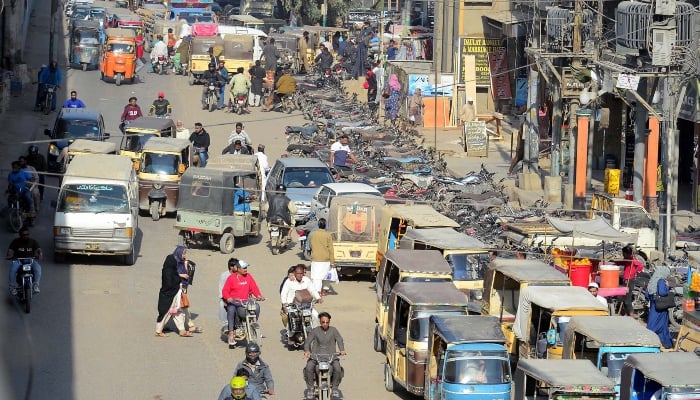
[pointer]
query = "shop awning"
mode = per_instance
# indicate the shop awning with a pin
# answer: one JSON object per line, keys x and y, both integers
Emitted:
{"x": 690, "y": 107}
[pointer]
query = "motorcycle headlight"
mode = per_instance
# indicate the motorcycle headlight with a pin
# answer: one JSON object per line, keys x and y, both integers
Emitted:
{"x": 54, "y": 151}
{"x": 157, "y": 186}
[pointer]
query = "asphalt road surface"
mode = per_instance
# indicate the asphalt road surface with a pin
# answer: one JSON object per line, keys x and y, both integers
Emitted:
{"x": 90, "y": 334}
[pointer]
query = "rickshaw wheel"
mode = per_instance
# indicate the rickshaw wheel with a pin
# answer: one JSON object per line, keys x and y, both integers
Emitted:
{"x": 118, "y": 79}
{"x": 226, "y": 243}
{"x": 155, "y": 211}
{"x": 190, "y": 78}
{"x": 378, "y": 343}
{"x": 84, "y": 67}
{"x": 389, "y": 383}
{"x": 182, "y": 239}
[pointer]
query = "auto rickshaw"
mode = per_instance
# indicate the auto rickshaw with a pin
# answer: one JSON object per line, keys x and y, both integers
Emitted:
{"x": 409, "y": 308}
{"x": 398, "y": 218}
{"x": 668, "y": 376}
{"x": 352, "y": 221}
{"x": 561, "y": 379}
{"x": 607, "y": 341}
{"x": 467, "y": 359}
{"x": 468, "y": 256}
{"x": 689, "y": 334}
{"x": 162, "y": 163}
{"x": 199, "y": 58}
{"x": 206, "y": 212}
{"x": 288, "y": 46}
{"x": 84, "y": 146}
{"x": 85, "y": 42}
{"x": 310, "y": 49}
{"x": 238, "y": 52}
{"x": 119, "y": 56}
{"x": 404, "y": 266}
{"x": 542, "y": 316}
{"x": 326, "y": 32}
{"x": 247, "y": 21}
{"x": 272, "y": 24}
{"x": 140, "y": 130}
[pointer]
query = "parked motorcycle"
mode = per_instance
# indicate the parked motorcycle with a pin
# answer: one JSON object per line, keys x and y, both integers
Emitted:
{"x": 285, "y": 104}
{"x": 300, "y": 317}
{"x": 25, "y": 282}
{"x": 342, "y": 70}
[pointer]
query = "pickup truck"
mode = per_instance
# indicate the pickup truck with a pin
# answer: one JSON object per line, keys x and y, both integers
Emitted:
{"x": 623, "y": 215}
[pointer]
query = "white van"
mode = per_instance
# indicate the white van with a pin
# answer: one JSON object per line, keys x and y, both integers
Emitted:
{"x": 97, "y": 208}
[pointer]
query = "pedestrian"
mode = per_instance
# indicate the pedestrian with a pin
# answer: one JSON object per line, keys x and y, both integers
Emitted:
{"x": 632, "y": 267}
{"x": 48, "y": 76}
{"x": 232, "y": 269}
{"x": 257, "y": 74}
{"x": 262, "y": 159}
{"x": 139, "y": 45}
{"x": 415, "y": 108}
{"x": 222, "y": 90}
{"x": 200, "y": 142}
{"x": 371, "y": 86}
{"x": 593, "y": 289}
{"x": 183, "y": 270}
{"x": 303, "y": 50}
{"x": 392, "y": 50}
{"x": 360, "y": 57}
{"x": 271, "y": 55}
{"x": 519, "y": 149}
{"x": 468, "y": 112}
{"x": 658, "y": 319}
{"x": 392, "y": 96}
{"x": 322, "y": 254}
{"x": 169, "y": 299}
{"x": 171, "y": 41}
{"x": 180, "y": 131}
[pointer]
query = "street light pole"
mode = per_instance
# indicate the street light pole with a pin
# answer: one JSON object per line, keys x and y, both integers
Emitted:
{"x": 52, "y": 29}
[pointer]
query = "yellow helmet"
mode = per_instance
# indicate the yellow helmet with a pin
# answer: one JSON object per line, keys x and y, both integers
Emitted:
{"x": 238, "y": 384}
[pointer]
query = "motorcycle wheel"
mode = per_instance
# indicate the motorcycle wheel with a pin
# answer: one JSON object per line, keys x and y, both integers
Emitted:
{"x": 226, "y": 243}
{"x": 212, "y": 104}
{"x": 118, "y": 79}
{"x": 84, "y": 67}
{"x": 253, "y": 336}
{"x": 288, "y": 108}
{"x": 15, "y": 219}
{"x": 324, "y": 393}
{"x": 389, "y": 383}
{"x": 240, "y": 110}
{"x": 46, "y": 107}
{"x": 27, "y": 287}
{"x": 293, "y": 139}
{"x": 155, "y": 211}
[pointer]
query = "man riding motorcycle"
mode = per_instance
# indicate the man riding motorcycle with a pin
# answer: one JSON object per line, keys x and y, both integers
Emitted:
{"x": 280, "y": 210}
{"x": 240, "y": 86}
{"x": 21, "y": 182}
{"x": 324, "y": 60}
{"x": 161, "y": 106}
{"x": 323, "y": 340}
{"x": 211, "y": 77}
{"x": 24, "y": 247}
{"x": 289, "y": 289}
{"x": 236, "y": 291}
{"x": 260, "y": 374}
{"x": 159, "y": 49}
{"x": 285, "y": 86}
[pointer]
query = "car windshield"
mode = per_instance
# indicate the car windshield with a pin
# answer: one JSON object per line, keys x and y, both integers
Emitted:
{"x": 467, "y": 267}
{"x": 306, "y": 177}
{"x": 77, "y": 129}
{"x": 161, "y": 164}
{"x": 120, "y": 48}
{"x": 92, "y": 198}
{"x": 634, "y": 218}
{"x": 472, "y": 367}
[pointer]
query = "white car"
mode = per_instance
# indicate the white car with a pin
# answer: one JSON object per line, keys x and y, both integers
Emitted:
{"x": 322, "y": 198}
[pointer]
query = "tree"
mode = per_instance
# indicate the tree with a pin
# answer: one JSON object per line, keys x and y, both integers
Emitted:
{"x": 309, "y": 11}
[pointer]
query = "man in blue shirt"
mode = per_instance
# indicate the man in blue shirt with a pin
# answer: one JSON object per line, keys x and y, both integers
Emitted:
{"x": 392, "y": 50}
{"x": 222, "y": 90}
{"x": 74, "y": 101}
{"x": 18, "y": 180}
{"x": 241, "y": 200}
{"x": 48, "y": 76}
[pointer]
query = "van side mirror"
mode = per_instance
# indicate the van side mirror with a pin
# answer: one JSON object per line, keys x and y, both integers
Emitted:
{"x": 54, "y": 204}
{"x": 47, "y": 132}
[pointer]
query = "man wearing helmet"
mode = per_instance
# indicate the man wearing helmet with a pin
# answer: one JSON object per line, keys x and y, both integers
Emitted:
{"x": 260, "y": 374}
{"x": 281, "y": 208}
{"x": 232, "y": 389}
{"x": 211, "y": 77}
{"x": 161, "y": 106}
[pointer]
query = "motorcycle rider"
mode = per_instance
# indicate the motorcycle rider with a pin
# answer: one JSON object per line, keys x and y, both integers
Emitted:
{"x": 35, "y": 178}
{"x": 237, "y": 289}
{"x": 289, "y": 289}
{"x": 159, "y": 49}
{"x": 24, "y": 247}
{"x": 211, "y": 77}
{"x": 161, "y": 106}
{"x": 22, "y": 182}
{"x": 131, "y": 112}
{"x": 74, "y": 101}
{"x": 235, "y": 148}
{"x": 280, "y": 209}
{"x": 260, "y": 374}
{"x": 324, "y": 60}
{"x": 286, "y": 85}
{"x": 323, "y": 340}
{"x": 232, "y": 269}
{"x": 240, "y": 86}
{"x": 240, "y": 388}
{"x": 200, "y": 142}
{"x": 38, "y": 161}
{"x": 48, "y": 76}
{"x": 240, "y": 134}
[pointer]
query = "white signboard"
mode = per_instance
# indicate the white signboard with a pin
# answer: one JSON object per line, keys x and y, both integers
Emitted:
{"x": 627, "y": 81}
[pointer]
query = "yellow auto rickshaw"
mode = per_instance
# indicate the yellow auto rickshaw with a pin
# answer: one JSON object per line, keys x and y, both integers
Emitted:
{"x": 140, "y": 130}
{"x": 326, "y": 33}
{"x": 119, "y": 56}
{"x": 238, "y": 52}
{"x": 247, "y": 21}
{"x": 199, "y": 57}
{"x": 84, "y": 146}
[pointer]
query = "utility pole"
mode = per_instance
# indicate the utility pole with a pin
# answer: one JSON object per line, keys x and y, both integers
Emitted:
{"x": 573, "y": 108}
{"x": 52, "y": 30}
{"x": 324, "y": 11}
{"x": 532, "y": 138}
{"x": 671, "y": 98}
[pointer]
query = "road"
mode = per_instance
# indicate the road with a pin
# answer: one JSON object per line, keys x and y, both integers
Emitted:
{"x": 91, "y": 331}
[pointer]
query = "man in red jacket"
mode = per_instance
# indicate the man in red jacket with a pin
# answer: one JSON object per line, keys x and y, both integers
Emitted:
{"x": 237, "y": 289}
{"x": 131, "y": 112}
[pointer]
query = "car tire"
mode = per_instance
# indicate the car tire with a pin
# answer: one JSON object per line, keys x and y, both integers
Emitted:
{"x": 227, "y": 243}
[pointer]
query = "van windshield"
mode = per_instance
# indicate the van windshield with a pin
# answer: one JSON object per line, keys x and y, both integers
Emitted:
{"x": 471, "y": 367}
{"x": 93, "y": 198}
{"x": 77, "y": 129}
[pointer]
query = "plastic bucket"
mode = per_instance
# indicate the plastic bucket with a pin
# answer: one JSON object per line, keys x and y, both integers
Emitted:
{"x": 580, "y": 274}
{"x": 609, "y": 276}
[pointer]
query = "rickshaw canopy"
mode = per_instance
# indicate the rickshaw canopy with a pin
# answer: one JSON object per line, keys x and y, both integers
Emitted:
{"x": 354, "y": 218}
{"x": 92, "y": 146}
{"x": 442, "y": 238}
{"x": 421, "y": 215}
{"x": 120, "y": 33}
{"x": 566, "y": 374}
{"x": 422, "y": 261}
{"x": 429, "y": 293}
{"x": 671, "y": 369}
{"x": 165, "y": 144}
{"x": 526, "y": 271}
{"x": 554, "y": 299}
{"x": 86, "y": 24}
{"x": 237, "y": 47}
{"x": 240, "y": 164}
{"x": 460, "y": 329}
{"x": 240, "y": 30}
{"x": 245, "y": 20}
{"x": 151, "y": 125}
{"x": 610, "y": 331}
{"x": 208, "y": 190}
{"x": 285, "y": 41}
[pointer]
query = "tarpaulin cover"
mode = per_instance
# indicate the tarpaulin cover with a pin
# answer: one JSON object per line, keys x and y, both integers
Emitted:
{"x": 596, "y": 228}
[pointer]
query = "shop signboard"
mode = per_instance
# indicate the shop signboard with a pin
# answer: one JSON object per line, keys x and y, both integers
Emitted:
{"x": 480, "y": 48}
{"x": 690, "y": 107}
{"x": 418, "y": 81}
{"x": 476, "y": 139}
{"x": 500, "y": 81}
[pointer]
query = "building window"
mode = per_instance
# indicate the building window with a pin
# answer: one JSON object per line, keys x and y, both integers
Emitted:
{"x": 477, "y": 3}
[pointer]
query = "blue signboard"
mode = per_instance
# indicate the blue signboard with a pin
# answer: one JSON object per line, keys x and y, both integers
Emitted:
{"x": 520, "y": 92}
